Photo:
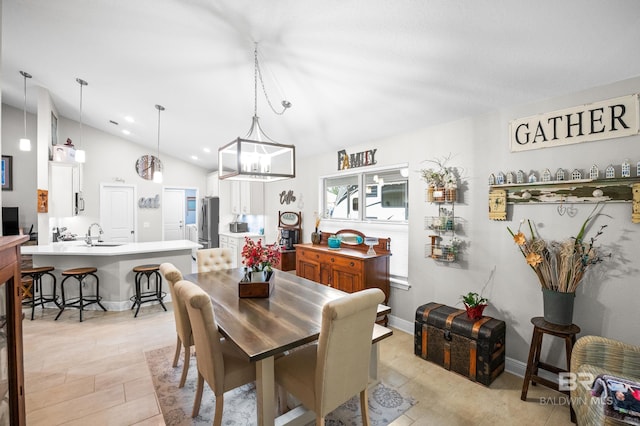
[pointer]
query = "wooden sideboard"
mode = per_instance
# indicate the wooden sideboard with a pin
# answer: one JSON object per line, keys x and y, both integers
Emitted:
{"x": 348, "y": 269}
{"x": 12, "y": 399}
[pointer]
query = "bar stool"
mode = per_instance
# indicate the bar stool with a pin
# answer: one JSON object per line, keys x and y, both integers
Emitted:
{"x": 82, "y": 300}
{"x": 32, "y": 287}
{"x": 150, "y": 295}
{"x": 540, "y": 328}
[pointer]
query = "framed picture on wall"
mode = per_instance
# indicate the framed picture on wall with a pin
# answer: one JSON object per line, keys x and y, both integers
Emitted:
{"x": 6, "y": 173}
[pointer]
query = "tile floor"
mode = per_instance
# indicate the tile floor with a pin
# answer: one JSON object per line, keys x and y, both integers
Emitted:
{"x": 94, "y": 373}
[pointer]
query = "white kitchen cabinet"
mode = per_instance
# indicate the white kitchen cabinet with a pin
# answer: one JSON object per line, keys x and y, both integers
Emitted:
{"x": 241, "y": 197}
{"x": 252, "y": 198}
{"x": 213, "y": 188}
{"x": 64, "y": 184}
{"x": 236, "y": 242}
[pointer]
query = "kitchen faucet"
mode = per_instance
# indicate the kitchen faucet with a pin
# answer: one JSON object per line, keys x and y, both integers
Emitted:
{"x": 88, "y": 239}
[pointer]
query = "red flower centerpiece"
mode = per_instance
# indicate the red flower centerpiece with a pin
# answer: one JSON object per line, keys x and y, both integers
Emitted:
{"x": 259, "y": 261}
{"x": 259, "y": 257}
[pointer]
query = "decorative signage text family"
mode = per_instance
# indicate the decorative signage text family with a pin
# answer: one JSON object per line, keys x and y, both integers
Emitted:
{"x": 613, "y": 118}
{"x": 358, "y": 159}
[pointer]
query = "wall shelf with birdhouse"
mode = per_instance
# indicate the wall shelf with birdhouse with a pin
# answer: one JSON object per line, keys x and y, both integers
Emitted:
{"x": 594, "y": 186}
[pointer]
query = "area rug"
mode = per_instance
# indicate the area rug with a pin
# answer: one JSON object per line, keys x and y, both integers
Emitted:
{"x": 385, "y": 403}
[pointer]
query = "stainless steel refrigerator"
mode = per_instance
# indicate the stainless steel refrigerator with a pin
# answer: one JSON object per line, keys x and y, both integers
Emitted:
{"x": 208, "y": 226}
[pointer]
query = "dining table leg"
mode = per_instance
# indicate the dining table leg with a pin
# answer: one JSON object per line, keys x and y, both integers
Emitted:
{"x": 373, "y": 364}
{"x": 265, "y": 391}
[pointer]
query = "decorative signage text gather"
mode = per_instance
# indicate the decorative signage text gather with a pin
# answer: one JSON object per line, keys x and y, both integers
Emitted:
{"x": 608, "y": 119}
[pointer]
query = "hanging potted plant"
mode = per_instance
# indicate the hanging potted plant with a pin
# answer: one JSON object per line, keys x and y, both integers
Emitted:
{"x": 475, "y": 304}
{"x": 442, "y": 181}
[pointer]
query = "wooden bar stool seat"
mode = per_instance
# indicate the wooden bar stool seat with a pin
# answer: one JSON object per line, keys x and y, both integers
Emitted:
{"x": 155, "y": 295}
{"x": 540, "y": 328}
{"x": 33, "y": 294}
{"x": 82, "y": 300}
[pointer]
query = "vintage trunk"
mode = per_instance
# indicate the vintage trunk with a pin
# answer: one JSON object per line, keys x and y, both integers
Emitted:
{"x": 447, "y": 337}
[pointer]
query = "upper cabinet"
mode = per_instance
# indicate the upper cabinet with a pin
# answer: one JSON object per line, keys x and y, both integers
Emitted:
{"x": 64, "y": 185}
{"x": 244, "y": 197}
{"x": 213, "y": 187}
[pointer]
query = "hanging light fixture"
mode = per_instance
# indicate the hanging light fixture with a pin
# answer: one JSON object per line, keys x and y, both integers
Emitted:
{"x": 80, "y": 153}
{"x": 257, "y": 157}
{"x": 25, "y": 143}
{"x": 157, "y": 164}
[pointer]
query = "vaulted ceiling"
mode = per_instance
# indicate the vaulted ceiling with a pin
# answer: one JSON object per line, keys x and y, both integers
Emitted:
{"x": 354, "y": 71}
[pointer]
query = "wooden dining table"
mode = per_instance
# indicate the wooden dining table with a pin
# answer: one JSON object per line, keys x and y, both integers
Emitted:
{"x": 265, "y": 327}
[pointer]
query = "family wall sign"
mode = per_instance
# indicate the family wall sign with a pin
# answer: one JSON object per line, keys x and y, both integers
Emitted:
{"x": 356, "y": 159}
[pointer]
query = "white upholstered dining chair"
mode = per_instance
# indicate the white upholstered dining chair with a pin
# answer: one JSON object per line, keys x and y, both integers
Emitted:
{"x": 221, "y": 364}
{"x": 325, "y": 375}
{"x": 183, "y": 327}
{"x": 214, "y": 259}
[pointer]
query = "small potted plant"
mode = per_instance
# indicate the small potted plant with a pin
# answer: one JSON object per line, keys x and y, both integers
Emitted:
{"x": 475, "y": 304}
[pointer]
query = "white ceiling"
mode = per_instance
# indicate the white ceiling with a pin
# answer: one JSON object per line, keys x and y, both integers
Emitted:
{"x": 355, "y": 71}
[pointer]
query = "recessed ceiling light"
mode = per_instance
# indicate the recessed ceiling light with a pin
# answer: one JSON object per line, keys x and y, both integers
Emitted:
{"x": 194, "y": 157}
{"x": 126, "y": 132}
{"x": 207, "y": 150}
{"x": 129, "y": 119}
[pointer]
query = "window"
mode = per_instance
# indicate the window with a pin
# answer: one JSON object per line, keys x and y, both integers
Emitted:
{"x": 385, "y": 196}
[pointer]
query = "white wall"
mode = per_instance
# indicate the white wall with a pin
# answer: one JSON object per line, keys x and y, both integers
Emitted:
{"x": 606, "y": 303}
{"x": 108, "y": 158}
{"x": 23, "y": 195}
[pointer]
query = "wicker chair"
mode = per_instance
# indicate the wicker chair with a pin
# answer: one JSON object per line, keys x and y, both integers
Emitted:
{"x": 599, "y": 355}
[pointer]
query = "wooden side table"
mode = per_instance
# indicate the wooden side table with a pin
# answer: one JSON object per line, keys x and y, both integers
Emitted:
{"x": 540, "y": 328}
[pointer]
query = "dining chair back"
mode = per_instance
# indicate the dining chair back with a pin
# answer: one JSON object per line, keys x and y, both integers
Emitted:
{"x": 219, "y": 363}
{"x": 325, "y": 375}
{"x": 183, "y": 327}
{"x": 214, "y": 259}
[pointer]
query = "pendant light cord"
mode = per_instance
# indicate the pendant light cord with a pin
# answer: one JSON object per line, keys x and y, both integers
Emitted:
{"x": 258, "y": 74}
{"x": 24, "y": 108}
{"x": 26, "y": 75}
{"x": 81, "y": 82}
{"x": 160, "y": 108}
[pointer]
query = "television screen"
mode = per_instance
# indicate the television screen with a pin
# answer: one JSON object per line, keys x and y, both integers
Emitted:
{"x": 10, "y": 224}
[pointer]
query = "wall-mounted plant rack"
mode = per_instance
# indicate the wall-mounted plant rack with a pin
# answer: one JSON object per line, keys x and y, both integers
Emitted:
{"x": 570, "y": 191}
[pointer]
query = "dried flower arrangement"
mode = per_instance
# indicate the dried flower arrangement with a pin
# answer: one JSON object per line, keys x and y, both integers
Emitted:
{"x": 559, "y": 266}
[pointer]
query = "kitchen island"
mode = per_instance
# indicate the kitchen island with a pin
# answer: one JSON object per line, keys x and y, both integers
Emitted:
{"x": 114, "y": 262}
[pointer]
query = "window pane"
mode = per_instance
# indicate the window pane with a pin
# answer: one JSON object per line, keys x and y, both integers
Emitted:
{"x": 386, "y": 196}
{"x": 341, "y": 197}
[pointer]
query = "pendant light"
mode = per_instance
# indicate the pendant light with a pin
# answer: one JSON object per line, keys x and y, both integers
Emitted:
{"x": 80, "y": 154}
{"x": 256, "y": 156}
{"x": 157, "y": 164}
{"x": 25, "y": 143}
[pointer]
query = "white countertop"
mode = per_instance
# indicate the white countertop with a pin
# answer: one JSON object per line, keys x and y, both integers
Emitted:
{"x": 79, "y": 248}
{"x": 240, "y": 234}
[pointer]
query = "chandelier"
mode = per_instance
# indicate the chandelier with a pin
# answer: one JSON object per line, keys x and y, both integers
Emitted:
{"x": 257, "y": 157}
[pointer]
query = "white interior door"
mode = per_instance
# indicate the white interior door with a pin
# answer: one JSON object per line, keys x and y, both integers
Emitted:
{"x": 173, "y": 209}
{"x": 117, "y": 213}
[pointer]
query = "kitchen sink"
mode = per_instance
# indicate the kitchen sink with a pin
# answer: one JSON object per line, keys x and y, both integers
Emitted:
{"x": 106, "y": 244}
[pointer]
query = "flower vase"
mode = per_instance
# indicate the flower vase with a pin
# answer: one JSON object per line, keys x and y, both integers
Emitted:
{"x": 316, "y": 237}
{"x": 558, "y": 306}
{"x": 256, "y": 284}
{"x": 475, "y": 312}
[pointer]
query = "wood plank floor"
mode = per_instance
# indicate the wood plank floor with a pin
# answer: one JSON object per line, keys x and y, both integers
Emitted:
{"x": 94, "y": 373}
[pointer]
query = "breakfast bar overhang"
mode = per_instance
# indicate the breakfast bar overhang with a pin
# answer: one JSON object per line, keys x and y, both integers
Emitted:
{"x": 114, "y": 262}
